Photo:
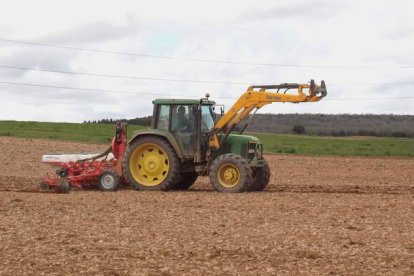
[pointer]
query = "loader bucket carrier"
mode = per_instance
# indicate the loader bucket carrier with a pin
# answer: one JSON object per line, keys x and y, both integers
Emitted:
{"x": 258, "y": 96}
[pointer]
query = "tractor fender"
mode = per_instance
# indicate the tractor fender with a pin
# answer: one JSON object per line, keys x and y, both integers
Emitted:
{"x": 159, "y": 133}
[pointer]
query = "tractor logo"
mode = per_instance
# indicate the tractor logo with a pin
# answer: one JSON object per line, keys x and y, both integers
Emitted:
{"x": 273, "y": 98}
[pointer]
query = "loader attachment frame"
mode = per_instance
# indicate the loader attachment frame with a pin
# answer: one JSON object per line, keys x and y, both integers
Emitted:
{"x": 258, "y": 96}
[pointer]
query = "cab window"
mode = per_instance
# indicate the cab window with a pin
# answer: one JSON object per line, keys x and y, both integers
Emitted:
{"x": 163, "y": 117}
{"x": 181, "y": 118}
{"x": 182, "y": 127}
{"x": 207, "y": 120}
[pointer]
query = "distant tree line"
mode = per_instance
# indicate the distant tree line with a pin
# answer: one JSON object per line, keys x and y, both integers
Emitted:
{"x": 144, "y": 121}
{"x": 316, "y": 124}
{"x": 335, "y": 125}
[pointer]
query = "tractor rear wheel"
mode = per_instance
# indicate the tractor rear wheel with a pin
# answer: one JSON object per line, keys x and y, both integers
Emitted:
{"x": 151, "y": 164}
{"x": 230, "y": 173}
{"x": 185, "y": 182}
{"x": 260, "y": 178}
{"x": 109, "y": 181}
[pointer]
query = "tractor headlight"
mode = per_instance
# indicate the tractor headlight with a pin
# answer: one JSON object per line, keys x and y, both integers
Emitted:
{"x": 259, "y": 151}
{"x": 254, "y": 150}
{"x": 251, "y": 151}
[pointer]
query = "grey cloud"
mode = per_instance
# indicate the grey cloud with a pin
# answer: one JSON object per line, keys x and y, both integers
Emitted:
{"x": 401, "y": 32}
{"x": 303, "y": 9}
{"x": 84, "y": 105}
{"x": 4, "y": 31}
{"x": 393, "y": 106}
{"x": 398, "y": 88}
{"x": 31, "y": 95}
{"x": 96, "y": 32}
{"x": 403, "y": 58}
{"x": 60, "y": 59}
{"x": 37, "y": 57}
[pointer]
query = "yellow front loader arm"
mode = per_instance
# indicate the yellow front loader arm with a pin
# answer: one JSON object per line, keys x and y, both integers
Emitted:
{"x": 258, "y": 96}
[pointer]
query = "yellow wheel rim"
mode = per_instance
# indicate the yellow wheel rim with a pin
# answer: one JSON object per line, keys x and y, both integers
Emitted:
{"x": 228, "y": 175}
{"x": 149, "y": 164}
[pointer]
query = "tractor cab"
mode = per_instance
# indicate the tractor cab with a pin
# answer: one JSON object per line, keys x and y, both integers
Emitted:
{"x": 188, "y": 121}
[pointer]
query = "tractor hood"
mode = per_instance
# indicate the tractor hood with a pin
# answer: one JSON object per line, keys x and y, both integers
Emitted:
{"x": 240, "y": 138}
{"x": 237, "y": 144}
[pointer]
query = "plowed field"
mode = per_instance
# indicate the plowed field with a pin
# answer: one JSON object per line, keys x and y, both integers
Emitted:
{"x": 319, "y": 215}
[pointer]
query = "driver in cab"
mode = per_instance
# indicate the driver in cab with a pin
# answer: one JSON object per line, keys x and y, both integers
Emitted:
{"x": 182, "y": 123}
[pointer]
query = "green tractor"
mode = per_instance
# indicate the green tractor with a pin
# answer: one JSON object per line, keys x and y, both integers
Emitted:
{"x": 187, "y": 140}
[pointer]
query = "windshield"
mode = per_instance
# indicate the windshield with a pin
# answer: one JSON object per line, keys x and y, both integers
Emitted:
{"x": 207, "y": 121}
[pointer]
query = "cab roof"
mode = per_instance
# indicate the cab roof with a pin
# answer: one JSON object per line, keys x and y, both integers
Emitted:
{"x": 183, "y": 101}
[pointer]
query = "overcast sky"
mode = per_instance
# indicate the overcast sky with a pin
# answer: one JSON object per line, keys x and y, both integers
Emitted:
{"x": 364, "y": 50}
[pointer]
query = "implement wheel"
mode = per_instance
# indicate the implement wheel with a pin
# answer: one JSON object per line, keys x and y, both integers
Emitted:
{"x": 109, "y": 181}
{"x": 230, "y": 173}
{"x": 63, "y": 186}
{"x": 44, "y": 186}
{"x": 151, "y": 164}
{"x": 185, "y": 181}
{"x": 260, "y": 178}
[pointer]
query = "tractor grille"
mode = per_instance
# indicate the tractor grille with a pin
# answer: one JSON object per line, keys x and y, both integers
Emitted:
{"x": 251, "y": 151}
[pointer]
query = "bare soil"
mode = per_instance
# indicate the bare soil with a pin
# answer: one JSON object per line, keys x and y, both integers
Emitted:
{"x": 319, "y": 216}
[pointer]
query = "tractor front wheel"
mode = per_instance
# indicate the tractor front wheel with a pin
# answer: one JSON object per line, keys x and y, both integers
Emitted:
{"x": 260, "y": 178}
{"x": 230, "y": 173}
{"x": 151, "y": 164}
